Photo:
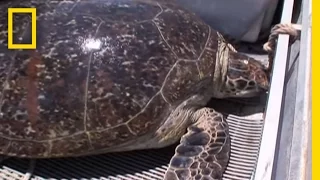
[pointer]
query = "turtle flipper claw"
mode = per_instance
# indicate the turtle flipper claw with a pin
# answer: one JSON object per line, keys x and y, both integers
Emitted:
{"x": 203, "y": 152}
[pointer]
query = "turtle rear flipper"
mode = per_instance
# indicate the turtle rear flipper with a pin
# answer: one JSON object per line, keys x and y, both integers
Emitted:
{"x": 203, "y": 152}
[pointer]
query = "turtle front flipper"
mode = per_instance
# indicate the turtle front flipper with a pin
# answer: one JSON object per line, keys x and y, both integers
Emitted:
{"x": 203, "y": 152}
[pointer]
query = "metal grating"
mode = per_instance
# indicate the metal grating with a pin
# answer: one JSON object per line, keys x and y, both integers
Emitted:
{"x": 245, "y": 140}
{"x": 246, "y": 123}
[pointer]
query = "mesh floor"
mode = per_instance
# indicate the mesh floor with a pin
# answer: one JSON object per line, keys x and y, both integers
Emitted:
{"x": 246, "y": 123}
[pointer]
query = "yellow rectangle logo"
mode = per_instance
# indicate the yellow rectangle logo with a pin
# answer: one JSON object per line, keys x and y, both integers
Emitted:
{"x": 33, "y": 12}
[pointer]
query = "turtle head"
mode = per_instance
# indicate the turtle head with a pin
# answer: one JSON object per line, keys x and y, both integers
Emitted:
{"x": 245, "y": 77}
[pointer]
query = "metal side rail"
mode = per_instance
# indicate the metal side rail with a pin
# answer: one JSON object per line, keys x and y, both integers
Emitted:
{"x": 266, "y": 164}
{"x": 293, "y": 159}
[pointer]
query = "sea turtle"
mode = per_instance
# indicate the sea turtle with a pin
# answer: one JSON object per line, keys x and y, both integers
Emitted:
{"x": 120, "y": 75}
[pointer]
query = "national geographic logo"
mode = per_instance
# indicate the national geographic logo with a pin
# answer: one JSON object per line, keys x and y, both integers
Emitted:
{"x": 33, "y": 13}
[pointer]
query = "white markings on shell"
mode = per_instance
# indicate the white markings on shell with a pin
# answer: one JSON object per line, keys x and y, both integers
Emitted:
{"x": 8, "y": 129}
{"x": 19, "y": 113}
{"x": 124, "y": 5}
{"x": 52, "y": 52}
{"x": 151, "y": 42}
{"x": 6, "y": 86}
{"x": 28, "y": 130}
{"x": 71, "y": 22}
